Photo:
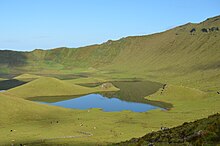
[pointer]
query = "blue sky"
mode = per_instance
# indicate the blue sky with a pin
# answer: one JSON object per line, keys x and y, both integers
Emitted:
{"x": 31, "y": 24}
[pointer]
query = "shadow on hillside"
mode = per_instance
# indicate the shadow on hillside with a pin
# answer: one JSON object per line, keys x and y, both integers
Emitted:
{"x": 8, "y": 84}
{"x": 12, "y": 58}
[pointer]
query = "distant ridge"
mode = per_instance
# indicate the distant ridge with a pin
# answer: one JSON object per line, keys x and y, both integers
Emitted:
{"x": 187, "y": 52}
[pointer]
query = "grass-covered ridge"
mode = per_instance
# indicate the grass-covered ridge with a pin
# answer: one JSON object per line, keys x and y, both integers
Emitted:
{"x": 26, "y": 77}
{"x": 48, "y": 86}
{"x": 187, "y": 55}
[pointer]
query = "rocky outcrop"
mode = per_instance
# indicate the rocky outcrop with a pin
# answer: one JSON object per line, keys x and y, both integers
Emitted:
{"x": 106, "y": 86}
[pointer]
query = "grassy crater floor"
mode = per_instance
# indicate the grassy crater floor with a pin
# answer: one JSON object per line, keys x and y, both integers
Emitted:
{"x": 26, "y": 122}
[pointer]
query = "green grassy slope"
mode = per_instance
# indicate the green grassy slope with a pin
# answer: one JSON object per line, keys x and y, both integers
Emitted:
{"x": 173, "y": 50}
{"x": 179, "y": 55}
{"x": 175, "y": 56}
{"x": 26, "y": 77}
{"x": 32, "y": 121}
{"x": 188, "y": 103}
{"x": 201, "y": 132}
{"x": 47, "y": 86}
{"x": 17, "y": 110}
{"x": 86, "y": 80}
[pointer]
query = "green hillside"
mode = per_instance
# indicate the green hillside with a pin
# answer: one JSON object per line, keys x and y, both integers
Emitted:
{"x": 26, "y": 77}
{"x": 31, "y": 121}
{"x": 187, "y": 55}
{"x": 185, "y": 58}
{"x": 183, "y": 63}
{"x": 48, "y": 86}
{"x": 21, "y": 110}
{"x": 200, "y": 132}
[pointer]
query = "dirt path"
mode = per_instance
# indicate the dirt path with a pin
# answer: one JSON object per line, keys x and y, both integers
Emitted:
{"x": 83, "y": 134}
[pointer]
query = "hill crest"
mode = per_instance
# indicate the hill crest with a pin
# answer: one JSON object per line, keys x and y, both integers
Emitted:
{"x": 187, "y": 52}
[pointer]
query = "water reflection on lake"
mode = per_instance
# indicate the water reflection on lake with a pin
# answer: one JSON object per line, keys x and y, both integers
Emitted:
{"x": 106, "y": 104}
{"x": 131, "y": 96}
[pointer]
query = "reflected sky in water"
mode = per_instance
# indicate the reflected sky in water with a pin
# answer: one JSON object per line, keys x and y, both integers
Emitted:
{"x": 106, "y": 104}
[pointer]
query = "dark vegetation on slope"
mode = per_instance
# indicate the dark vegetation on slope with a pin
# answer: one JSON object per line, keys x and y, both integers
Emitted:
{"x": 201, "y": 132}
{"x": 12, "y": 58}
{"x": 8, "y": 84}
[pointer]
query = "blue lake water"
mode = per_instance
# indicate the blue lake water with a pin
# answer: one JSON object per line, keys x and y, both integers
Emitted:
{"x": 106, "y": 104}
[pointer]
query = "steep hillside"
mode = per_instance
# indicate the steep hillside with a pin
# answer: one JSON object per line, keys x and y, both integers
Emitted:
{"x": 201, "y": 132}
{"x": 188, "y": 54}
{"x": 185, "y": 48}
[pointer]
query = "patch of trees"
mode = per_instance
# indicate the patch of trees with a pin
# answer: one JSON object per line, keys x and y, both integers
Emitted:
{"x": 212, "y": 29}
{"x": 205, "y": 30}
{"x": 192, "y": 31}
